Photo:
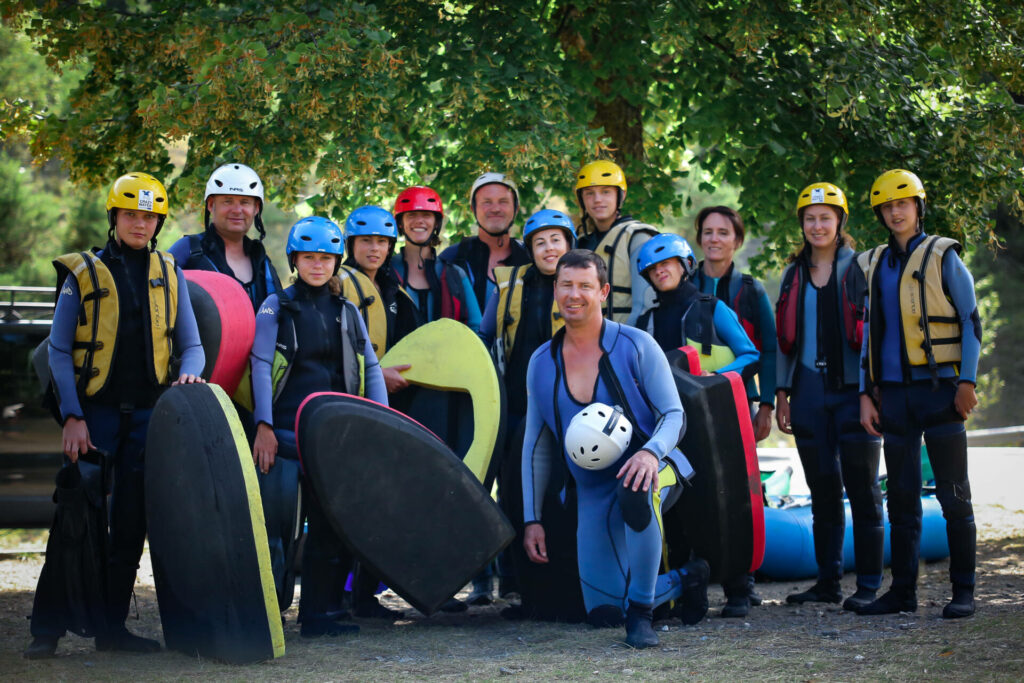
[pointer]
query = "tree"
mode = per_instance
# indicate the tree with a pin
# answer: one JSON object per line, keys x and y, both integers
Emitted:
{"x": 369, "y": 96}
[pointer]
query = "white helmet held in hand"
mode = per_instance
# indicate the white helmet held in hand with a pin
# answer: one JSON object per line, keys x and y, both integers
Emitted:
{"x": 597, "y": 436}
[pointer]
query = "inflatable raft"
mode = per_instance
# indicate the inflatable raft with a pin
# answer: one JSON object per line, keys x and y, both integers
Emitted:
{"x": 789, "y": 542}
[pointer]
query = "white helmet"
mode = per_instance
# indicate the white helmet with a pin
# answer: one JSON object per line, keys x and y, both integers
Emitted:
{"x": 235, "y": 179}
{"x": 491, "y": 178}
{"x": 597, "y": 436}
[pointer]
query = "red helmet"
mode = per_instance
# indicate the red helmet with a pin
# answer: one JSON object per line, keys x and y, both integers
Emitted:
{"x": 419, "y": 198}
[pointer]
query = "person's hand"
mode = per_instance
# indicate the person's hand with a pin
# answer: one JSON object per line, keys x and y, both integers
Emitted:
{"x": 763, "y": 422}
{"x": 188, "y": 379}
{"x": 264, "y": 449}
{"x": 535, "y": 543}
{"x": 393, "y": 379}
{"x": 782, "y": 416}
{"x": 706, "y": 373}
{"x": 965, "y": 399}
{"x": 869, "y": 415}
{"x": 640, "y": 471}
{"x": 75, "y": 438}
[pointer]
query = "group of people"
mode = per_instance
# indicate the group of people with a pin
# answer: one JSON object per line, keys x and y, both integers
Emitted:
{"x": 857, "y": 347}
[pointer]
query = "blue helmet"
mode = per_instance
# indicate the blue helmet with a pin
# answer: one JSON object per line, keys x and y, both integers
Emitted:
{"x": 549, "y": 218}
{"x": 663, "y": 247}
{"x": 371, "y": 220}
{"x": 315, "y": 234}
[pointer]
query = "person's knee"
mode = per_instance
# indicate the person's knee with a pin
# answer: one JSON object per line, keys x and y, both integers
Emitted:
{"x": 955, "y": 499}
{"x": 636, "y": 508}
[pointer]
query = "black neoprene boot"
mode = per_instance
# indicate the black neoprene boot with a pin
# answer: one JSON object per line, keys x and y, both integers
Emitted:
{"x": 693, "y": 602}
{"x": 894, "y": 601}
{"x": 860, "y": 599}
{"x": 822, "y": 591}
{"x": 41, "y": 647}
{"x": 122, "y": 640}
{"x": 315, "y": 627}
{"x": 962, "y": 604}
{"x": 737, "y": 596}
{"x": 639, "y": 632}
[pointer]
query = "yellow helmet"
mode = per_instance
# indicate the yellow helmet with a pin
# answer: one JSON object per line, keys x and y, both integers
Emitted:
{"x": 600, "y": 173}
{"x": 896, "y": 184}
{"x": 138, "y": 191}
{"x": 822, "y": 193}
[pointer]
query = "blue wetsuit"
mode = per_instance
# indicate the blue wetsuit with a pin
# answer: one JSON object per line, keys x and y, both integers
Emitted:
{"x": 728, "y": 290}
{"x": 820, "y": 378}
{"x": 677, "y": 316}
{"x": 912, "y": 406}
{"x": 473, "y": 256}
{"x": 317, "y": 348}
{"x": 429, "y": 303}
{"x": 117, "y": 418}
{"x": 205, "y": 251}
{"x": 619, "y": 537}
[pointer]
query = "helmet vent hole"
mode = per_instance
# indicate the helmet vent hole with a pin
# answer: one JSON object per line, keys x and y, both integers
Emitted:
{"x": 901, "y": 186}
{"x": 601, "y": 413}
{"x": 430, "y": 200}
{"x": 621, "y": 428}
{"x": 306, "y": 238}
{"x": 237, "y": 167}
{"x": 129, "y": 195}
{"x": 335, "y": 240}
{"x": 218, "y": 183}
{"x": 159, "y": 199}
{"x": 252, "y": 185}
{"x": 605, "y": 174}
{"x": 593, "y": 448}
{"x": 583, "y": 450}
{"x": 360, "y": 222}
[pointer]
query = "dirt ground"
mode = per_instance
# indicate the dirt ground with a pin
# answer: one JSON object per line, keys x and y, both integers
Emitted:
{"x": 775, "y": 642}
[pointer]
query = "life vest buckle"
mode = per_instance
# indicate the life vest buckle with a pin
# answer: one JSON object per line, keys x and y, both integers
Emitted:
{"x": 820, "y": 363}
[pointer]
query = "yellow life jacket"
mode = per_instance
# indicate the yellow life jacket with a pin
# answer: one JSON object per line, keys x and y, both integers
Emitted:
{"x": 361, "y": 291}
{"x": 510, "y": 310}
{"x": 614, "y": 249}
{"x": 96, "y": 332}
{"x": 931, "y": 325}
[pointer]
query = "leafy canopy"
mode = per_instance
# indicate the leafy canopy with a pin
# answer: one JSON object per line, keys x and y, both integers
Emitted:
{"x": 368, "y": 97}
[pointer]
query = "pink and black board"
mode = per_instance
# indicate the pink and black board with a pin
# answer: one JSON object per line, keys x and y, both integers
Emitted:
{"x": 226, "y": 323}
{"x": 406, "y": 505}
{"x": 721, "y": 515}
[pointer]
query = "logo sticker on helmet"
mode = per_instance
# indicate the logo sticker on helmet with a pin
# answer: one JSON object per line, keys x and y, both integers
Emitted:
{"x": 145, "y": 200}
{"x": 818, "y": 195}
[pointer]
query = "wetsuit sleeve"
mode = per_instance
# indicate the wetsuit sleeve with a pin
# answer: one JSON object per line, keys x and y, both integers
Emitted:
{"x": 181, "y": 251}
{"x": 186, "y": 333}
{"x": 862, "y": 371}
{"x": 473, "y": 315}
{"x": 660, "y": 389}
{"x": 540, "y": 447}
{"x": 375, "y": 388}
{"x": 262, "y": 360}
{"x": 489, "y": 323}
{"x": 729, "y": 330}
{"x": 769, "y": 349}
{"x": 638, "y": 285}
{"x": 62, "y": 337}
{"x": 960, "y": 284}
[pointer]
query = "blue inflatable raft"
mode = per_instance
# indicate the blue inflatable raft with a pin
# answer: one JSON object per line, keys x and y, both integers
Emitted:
{"x": 789, "y": 542}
